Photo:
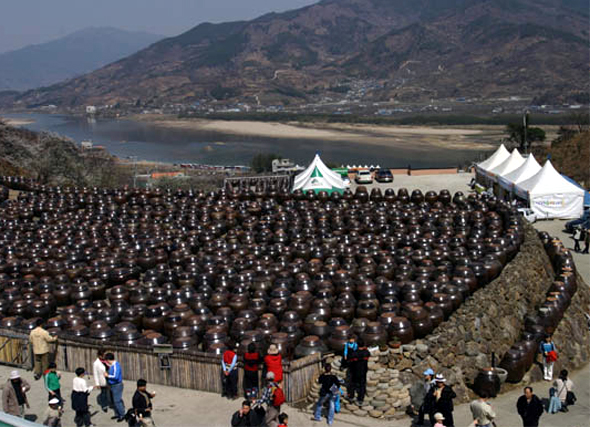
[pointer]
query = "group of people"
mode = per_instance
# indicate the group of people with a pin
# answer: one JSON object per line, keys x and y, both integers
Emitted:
{"x": 108, "y": 380}
{"x": 433, "y": 397}
{"x": 581, "y": 234}
{"x": 264, "y": 410}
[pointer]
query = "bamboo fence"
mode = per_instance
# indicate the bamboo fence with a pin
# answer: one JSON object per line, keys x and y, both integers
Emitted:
{"x": 187, "y": 369}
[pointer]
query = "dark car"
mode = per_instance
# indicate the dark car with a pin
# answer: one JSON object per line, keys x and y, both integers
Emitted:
{"x": 583, "y": 221}
{"x": 384, "y": 175}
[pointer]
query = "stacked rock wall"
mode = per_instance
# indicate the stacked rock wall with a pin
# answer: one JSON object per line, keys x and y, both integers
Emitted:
{"x": 489, "y": 322}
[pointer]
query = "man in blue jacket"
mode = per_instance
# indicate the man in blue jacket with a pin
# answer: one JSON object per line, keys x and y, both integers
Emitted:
{"x": 114, "y": 378}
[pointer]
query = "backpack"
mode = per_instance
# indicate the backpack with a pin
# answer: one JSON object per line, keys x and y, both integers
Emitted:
{"x": 278, "y": 398}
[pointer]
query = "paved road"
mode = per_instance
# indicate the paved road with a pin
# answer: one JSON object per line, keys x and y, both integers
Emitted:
{"x": 180, "y": 407}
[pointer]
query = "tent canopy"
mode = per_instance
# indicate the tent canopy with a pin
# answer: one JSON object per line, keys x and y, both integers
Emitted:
{"x": 529, "y": 168}
{"x": 586, "y": 192}
{"x": 499, "y": 156}
{"x": 514, "y": 161}
{"x": 550, "y": 195}
{"x": 319, "y": 177}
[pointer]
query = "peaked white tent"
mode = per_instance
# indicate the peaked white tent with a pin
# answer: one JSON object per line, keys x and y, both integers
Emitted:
{"x": 319, "y": 177}
{"x": 529, "y": 168}
{"x": 499, "y": 156}
{"x": 511, "y": 163}
{"x": 550, "y": 195}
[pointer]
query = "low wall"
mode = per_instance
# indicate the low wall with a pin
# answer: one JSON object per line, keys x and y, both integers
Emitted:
{"x": 441, "y": 171}
{"x": 191, "y": 369}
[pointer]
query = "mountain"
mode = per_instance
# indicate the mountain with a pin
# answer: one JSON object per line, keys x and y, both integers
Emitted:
{"x": 70, "y": 56}
{"x": 409, "y": 49}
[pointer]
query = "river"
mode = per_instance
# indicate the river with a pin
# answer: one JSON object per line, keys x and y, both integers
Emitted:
{"x": 147, "y": 141}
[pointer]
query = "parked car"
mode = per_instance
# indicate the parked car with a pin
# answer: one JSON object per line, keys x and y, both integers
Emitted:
{"x": 528, "y": 214}
{"x": 364, "y": 177}
{"x": 384, "y": 175}
{"x": 583, "y": 221}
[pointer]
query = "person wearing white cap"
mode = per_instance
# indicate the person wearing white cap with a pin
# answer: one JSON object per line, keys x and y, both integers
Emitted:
{"x": 440, "y": 399}
{"x": 14, "y": 395}
{"x": 438, "y": 418}
{"x": 53, "y": 413}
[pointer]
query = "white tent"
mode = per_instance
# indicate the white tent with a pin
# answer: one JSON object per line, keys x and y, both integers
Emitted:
{"x": 511, "y": 163}
{"x": 318, "y": 177}
{"x": 529, "y": 168}
{"x": 499, "y": 156}
{"x": 550, "y": 195}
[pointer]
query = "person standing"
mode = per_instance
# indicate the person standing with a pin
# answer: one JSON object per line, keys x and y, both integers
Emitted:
{"x": 248, "y": 417}
{"x": 274, "y": 362}
{"x": 349, "y": 347}
{"x": 114, "y": 378}
{"x": 99, "y": 368}
{"x": 14, "y": 395}
{"x": 418, "y": 394}
{"x": 51, "y": 379}
{"x": 274, "y": 397}
{"x": 40, "y": 340}
{"x": 330, "y": 386}
{"x": 229, "y": 374}
{"x": 549, "y": 353}
{"x": 482, "y": 412}
{"x": 358, "y": 365}
{"x": 440, "y": 399}
{"x": 586, "y": 240}
{"x": 80, "y": 392}
{"x": 251, "y": 364}
{"x": 142, "y": 404}
{"x": 530, "y": 408}
{"x": 563, "y": 385}
{"x": 578, "y": 235}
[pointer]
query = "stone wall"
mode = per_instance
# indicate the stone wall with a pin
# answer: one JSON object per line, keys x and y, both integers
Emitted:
{"x": 490, "y": 321}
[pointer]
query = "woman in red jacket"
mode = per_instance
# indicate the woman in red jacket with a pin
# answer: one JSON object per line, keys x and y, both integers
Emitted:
{"x": 274, "y": 362}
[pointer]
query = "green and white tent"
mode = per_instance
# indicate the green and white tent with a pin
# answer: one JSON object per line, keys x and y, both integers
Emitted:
{"x": 319, "y": 177}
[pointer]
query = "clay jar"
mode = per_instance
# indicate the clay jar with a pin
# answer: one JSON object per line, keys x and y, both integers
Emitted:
{"x": 435, "y": 313}
{"x": 514, "y": 363}
{"x": 401, "y": 328}
{"x": 374, "y": 335}
{"x": 310, "y": 345}
{"x": 367, "y": 309}
{"x": 153, "y": 319}
{"x": 338, "y": 338}
{"x": 487, "y": 381}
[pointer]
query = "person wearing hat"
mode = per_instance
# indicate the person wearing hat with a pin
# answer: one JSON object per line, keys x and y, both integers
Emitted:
{"x": 274, "y": 362}
{"x": 438, "y": 420}
{"x": 40, "y": 340}
{"x": 53, "y": 413}
{"x": 80, "y": 392}
{"x": 440, "y": 399}
{"x": 229, "y": 374}
{"x": 418, "y": 393}
{"x": 274, "y": 397}
{"x": 14, "y": 395}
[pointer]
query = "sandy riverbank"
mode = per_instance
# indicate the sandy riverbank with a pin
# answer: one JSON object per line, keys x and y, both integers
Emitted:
{"x": 468, "y": 137}
{"x": 17, "y": 122}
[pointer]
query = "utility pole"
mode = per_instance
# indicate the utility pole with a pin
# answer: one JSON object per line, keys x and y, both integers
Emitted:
{"x": 525, "y": 123}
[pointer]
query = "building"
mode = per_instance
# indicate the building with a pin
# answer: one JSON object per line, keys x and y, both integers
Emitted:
{"x": 285, "y": 165}
{"x": 90, "y": 109}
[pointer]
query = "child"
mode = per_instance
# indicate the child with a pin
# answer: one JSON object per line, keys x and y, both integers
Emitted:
{"x": 51, "y": 377}
{"x": 53, "y": 413}
{"x": 438, "y": 417}
{"x": 80, "y": 392}
{"x": 283, "y": 420}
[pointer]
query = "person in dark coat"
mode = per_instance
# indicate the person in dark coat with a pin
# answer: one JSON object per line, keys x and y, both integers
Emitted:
{"x": 440, "y": 399}
{"x": 530, "y": 408}
{"x": 248, "y": 417}
{"x": 142, "y": 404}
{"x": 358, "y": 361}
{"x": 80, "y": 392}
{"x": 252, "y": 361}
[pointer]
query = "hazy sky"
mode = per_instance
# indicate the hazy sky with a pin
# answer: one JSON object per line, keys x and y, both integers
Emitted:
{"x": 24, "y": 22}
